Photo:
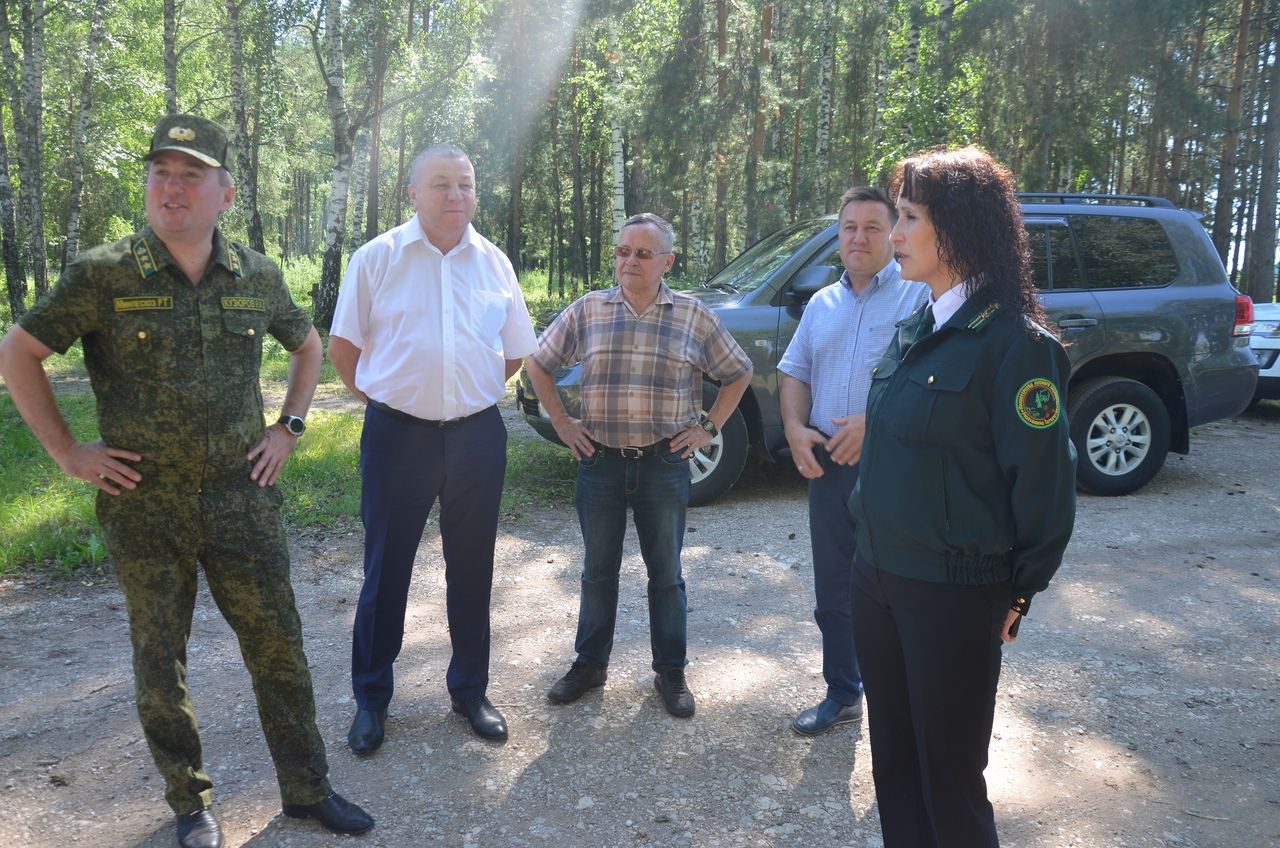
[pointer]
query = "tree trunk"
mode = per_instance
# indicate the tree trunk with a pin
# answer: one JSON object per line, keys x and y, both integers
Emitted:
{"x": 515, "y": 189}
{"x": 555, "y": 250}
{"x": 359, "y": 185}
{"x": 1231, "y": 138}
{"x": 756, "y": 148}
{"x": 31, "y": 140}
{"x": 14, "y": 275}
{"x": 241, "y": 139}
{"x": 793, "y": 196}
{"x": 401, "y": 177}
{"x": 325, "y": 298}
{"x": 170, "y": 56}
{"x": 720, "y": 244}
{"x": 1260, "y": 270}
{"x": 1178, "y": 190}
{"x": 80, "y": 136}
{"x": 822, "y": 150}
{"x": 578, "y": 269}
{"x": 374, "y": 179}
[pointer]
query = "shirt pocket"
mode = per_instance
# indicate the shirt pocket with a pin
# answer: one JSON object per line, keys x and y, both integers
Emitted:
{"x": 242, "y": 332}
{"x": 488, "y": 315}
{"x": 939, "y": 411}
{"x": 143, "y": 344}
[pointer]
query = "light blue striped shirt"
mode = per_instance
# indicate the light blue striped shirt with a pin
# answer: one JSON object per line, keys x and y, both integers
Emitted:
{"x": 842, "y": 335}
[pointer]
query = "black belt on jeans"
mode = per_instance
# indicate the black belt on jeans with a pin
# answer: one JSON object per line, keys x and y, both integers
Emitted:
{"x": 631, "y": 452}
{"x": 441, "y": 425}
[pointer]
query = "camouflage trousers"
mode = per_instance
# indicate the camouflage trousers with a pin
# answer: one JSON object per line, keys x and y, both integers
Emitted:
{"x": 156, "y": 535}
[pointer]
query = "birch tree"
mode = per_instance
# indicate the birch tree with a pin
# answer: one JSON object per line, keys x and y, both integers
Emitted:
{"x": 80, "y": 135}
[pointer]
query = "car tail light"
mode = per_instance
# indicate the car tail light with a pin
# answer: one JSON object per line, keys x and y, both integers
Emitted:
{"x": 1244, "y": 316}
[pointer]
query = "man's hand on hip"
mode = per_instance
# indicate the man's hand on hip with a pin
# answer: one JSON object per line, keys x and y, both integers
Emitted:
{"x": 96, "y": 463}
{"x": 575, "y": 436}
{"x": 270, "y": 455}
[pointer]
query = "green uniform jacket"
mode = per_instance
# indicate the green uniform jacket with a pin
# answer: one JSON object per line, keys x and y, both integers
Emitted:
{"x": 174, "y": 366}
{"x": 967, "y": 473}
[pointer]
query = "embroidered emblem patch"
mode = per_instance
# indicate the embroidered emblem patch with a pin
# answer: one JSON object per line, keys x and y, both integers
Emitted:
{"x": 254, "y": 304}
{"x": 131, "y": 304}
{"x": 182, "y": 134}
{"x": 1038, "y": 403}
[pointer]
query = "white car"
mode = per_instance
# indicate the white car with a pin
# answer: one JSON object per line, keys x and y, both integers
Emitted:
{"x": 1265, "y": 342}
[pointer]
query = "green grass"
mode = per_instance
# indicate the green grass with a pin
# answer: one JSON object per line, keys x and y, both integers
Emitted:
{"x": 47, "y": 521}
{"x": 46, "y": 517}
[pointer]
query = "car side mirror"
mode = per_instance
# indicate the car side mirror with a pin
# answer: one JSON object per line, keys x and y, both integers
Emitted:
{"x": 812, "y": 280}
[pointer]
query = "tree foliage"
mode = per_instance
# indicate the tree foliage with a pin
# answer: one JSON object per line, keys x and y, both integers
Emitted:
{"x": 730, "y": 118}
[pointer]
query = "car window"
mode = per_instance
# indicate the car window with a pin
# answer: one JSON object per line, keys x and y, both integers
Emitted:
{"x": 1123, "y": 252}
{"x": 1053, "y": 256}
{"x": 754, "y": 265}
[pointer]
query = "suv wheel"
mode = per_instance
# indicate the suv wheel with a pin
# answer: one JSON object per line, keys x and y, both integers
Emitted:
{"x": 1120, "y": 428}
{"x": 715, "y": 468}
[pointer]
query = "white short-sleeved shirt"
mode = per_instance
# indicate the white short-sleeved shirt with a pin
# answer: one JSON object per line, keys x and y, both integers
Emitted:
{"x": 434, "y": 329}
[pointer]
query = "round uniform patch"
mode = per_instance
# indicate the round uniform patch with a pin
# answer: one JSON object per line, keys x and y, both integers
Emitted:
{"x": 1038, "y": 403}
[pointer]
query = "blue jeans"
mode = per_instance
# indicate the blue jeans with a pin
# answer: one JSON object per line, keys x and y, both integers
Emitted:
{"x": 657, "y": 488}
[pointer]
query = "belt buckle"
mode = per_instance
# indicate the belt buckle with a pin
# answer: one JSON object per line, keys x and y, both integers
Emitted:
{"x": 631, "y": 452}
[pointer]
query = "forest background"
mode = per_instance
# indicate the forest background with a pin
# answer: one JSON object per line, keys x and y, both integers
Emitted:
{"x": 728, "y": 118}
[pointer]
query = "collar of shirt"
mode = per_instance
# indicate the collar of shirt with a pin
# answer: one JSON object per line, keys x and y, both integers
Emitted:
{"x": 154, "y": 249}
{"x": 947, "y": 305}
{"x": 887, "y": 275}
{"x": 413, "y": 232}
{"x": 664, "y": 298}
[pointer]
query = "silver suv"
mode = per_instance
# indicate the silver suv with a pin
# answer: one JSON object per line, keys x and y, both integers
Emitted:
{"x": 1158, "y": 338}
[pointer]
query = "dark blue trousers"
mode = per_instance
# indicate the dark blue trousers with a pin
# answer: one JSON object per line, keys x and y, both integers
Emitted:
{"x": 832, "y": 536}
{"x": 930, "y": 656}
{"x": 405, "y": 465}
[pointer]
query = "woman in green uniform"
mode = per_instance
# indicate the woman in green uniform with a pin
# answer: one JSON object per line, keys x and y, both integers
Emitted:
{"x": 966, "y": 497}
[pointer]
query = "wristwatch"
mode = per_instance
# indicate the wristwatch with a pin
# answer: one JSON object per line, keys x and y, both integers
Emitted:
{"x": 710, "y": 427}
{"x": 295, "y": 425}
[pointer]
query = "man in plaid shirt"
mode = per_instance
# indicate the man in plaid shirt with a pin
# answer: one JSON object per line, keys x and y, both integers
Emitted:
{"x": 642, "y": 348}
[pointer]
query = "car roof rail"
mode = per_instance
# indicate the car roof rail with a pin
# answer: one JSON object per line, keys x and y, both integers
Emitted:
{"x": 1098, "y": 199}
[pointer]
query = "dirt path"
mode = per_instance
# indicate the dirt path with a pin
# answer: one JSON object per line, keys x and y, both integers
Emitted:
{"x": 1139, "y": 708}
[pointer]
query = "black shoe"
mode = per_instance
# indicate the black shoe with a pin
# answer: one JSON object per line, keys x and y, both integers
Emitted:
{"x": 366, "y": 732}
{"x": 676, "y": 696}
{"x": 334, "y": 812}
{"x": 484, "y": 718}
{"x": 825, "y": 716}
{"x": 582, "y": 676}
{"x": 199, "y": 830}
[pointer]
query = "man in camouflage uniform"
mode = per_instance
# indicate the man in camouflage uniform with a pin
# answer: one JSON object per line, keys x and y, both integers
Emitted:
{"x": 172, "y": 320}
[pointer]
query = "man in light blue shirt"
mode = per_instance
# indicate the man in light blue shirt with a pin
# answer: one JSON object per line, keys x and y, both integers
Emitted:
{"x": 826, "y": 374}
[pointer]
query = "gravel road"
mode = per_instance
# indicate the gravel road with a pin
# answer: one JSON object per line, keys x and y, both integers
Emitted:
{"x": 1138, "y": 709}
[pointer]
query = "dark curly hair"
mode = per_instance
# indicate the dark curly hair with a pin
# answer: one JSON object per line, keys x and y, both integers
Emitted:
{"x": 970, "y": 201}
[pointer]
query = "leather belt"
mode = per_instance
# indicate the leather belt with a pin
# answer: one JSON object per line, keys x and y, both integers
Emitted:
{"x": 426, "y": 422}
{"x": 632, "y": 452}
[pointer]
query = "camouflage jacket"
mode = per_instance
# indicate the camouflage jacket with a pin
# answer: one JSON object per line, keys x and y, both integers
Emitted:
{"x": 174, "y": 366}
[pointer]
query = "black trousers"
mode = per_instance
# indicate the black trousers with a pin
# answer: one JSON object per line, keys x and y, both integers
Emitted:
{"x": 930, "y": 660}
{"x": 405, "y": 466}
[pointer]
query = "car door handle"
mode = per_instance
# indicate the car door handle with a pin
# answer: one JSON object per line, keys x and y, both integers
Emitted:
{"x": 1077, "y": 323}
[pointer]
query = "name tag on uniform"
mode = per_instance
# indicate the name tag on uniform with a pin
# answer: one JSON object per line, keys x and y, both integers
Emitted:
{"x": 131, "y": 304}
{"x": 253, "y": 304}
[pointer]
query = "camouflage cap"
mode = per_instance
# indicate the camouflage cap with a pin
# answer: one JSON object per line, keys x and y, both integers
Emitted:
{"x": 192, "y": 135}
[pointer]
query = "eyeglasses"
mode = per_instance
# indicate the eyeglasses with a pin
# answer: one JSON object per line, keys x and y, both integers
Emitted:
{"x": 644, "y": 254}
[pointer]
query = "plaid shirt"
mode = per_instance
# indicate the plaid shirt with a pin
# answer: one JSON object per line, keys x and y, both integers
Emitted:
{"x": 640, "y": 373}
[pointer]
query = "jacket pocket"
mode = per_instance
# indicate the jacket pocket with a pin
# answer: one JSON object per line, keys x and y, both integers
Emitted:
{"x": 940, "y": 408}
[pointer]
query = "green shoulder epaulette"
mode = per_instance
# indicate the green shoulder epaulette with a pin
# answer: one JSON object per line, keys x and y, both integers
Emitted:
{"x": 142, "y": 255}
{"x": 983, "y": 318}
{"x": 233, "y": 260}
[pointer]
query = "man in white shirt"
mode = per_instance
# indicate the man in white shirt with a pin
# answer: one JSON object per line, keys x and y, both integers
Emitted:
{"x": 826, "y": 375}
{"x": 429, "y": 326}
